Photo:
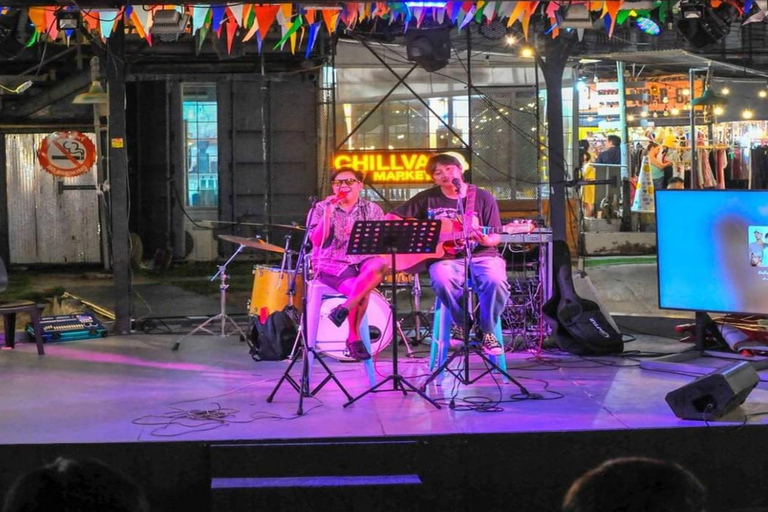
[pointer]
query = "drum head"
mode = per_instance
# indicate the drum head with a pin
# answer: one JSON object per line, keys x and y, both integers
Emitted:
{"x": 331, "y": 340}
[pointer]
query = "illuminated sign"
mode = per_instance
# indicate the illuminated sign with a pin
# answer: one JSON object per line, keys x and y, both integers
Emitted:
{"x": 390, "y": 167}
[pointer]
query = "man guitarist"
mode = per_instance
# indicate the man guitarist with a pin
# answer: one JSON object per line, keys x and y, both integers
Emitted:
{"x": 488, "y": 269}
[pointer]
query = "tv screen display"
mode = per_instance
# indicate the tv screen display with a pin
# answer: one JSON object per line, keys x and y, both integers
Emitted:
{"x": 713, "y": 250}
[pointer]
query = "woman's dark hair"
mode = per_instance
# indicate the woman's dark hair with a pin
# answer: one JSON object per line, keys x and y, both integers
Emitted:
{"x": 359, "y": 176}
{"x": 636, "y": 484}
{"x": 67, "y": 485}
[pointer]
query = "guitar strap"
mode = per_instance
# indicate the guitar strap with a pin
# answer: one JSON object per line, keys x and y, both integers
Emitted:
{"x": 469, "y": 209}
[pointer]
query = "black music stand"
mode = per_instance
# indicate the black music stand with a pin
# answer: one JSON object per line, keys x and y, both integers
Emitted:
{"x": 394, "y": 237}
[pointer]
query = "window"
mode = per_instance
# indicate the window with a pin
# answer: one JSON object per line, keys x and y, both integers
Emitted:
{"x": 201, "y": 144}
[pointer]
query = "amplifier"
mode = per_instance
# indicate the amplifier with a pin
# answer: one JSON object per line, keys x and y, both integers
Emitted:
{"x": 78, "y": 326}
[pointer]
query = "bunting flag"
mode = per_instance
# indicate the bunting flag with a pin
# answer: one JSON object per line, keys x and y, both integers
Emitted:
{"x": 301, "y": 26}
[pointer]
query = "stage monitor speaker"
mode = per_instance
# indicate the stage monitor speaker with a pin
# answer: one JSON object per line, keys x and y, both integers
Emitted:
{"x": 715, "y": 394}
{"x": 430, "y": 48}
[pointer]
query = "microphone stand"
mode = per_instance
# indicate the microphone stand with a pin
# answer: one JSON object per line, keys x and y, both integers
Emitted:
{"x": 303, "y": 386}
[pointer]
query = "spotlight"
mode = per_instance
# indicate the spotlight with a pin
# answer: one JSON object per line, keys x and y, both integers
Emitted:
{"x": 762, "y": 93}
{"x": 691, "y": 9}
{"x": 718, "y": 111}
{"x": 675, "y": 111}
{"x": 747, "y": 114}
{"x": 168, "y": 21}
{"x": 725, "y": 91}
{"x": 67, "y": 20}
{"x": 526, "y": 52}
{"x": 510, "y": 40}
{"x": 576, "y": 16}
{"x": 429, "y": 48}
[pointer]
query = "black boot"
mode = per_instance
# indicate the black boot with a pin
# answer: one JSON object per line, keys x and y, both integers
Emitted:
{"x": 357, "y": 350}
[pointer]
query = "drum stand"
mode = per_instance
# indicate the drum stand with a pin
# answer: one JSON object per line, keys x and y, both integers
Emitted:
{"x": 222, "y": 316}
{"x": 419, "y": 320}
{"x": 302, "y": 387}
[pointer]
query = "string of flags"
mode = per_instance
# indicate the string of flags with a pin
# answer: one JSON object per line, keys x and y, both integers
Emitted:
{"x": 300, "y": 24}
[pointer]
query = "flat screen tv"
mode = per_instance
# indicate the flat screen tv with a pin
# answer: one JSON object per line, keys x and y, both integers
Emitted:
{"x": 713, "y": 250}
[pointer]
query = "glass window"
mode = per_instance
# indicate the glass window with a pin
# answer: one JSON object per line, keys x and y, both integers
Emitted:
{"x": 201, "y": 144}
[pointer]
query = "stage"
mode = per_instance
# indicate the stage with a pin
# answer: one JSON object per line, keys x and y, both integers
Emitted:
{"x": 194, "y": 428}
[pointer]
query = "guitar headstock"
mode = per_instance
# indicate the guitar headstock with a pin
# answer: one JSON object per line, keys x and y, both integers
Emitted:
{"x": 519, "y": 226}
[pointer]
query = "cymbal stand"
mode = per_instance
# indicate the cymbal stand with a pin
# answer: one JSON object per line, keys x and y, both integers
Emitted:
{"x": 222, "y": 316}
{"x": 303, "y": 387}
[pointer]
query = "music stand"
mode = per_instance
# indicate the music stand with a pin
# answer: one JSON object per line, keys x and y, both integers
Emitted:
{"x": 394, "y": 237}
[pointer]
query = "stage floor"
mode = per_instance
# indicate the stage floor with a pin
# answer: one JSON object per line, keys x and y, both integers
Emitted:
{"x": 136, "y": 389}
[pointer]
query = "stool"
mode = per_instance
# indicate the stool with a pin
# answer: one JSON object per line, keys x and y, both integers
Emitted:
{"x": 9, "y": 311}
{"x": 441, "y": 340}
{"x": 316, "y": 293}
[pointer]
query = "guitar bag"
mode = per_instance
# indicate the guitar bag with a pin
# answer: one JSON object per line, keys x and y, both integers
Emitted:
{"x": 579, "y": 326}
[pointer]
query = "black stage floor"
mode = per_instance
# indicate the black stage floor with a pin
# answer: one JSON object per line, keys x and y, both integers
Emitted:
{"x": 195, "y": 429}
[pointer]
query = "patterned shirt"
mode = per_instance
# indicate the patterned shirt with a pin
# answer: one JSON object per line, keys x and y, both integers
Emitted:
{"x": 332, "y": 258}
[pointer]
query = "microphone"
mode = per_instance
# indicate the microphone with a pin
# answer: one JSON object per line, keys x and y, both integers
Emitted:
{"x": 341, "y": 195}
{"x": 457, "y": 183}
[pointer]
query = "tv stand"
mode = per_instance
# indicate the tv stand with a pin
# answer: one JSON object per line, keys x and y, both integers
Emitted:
{"x": 679, "y": 362}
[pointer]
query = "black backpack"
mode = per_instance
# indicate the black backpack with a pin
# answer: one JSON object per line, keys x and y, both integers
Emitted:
{"x": 579, "y": 326}
{"x": 274, "y": 339}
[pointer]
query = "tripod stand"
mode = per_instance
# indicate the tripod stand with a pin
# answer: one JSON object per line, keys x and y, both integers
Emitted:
{"x": 222, "y": 316}
{"x": 304, "y": 351}
{"x": 394, "y": 237}
{"x": 419, "y": 320}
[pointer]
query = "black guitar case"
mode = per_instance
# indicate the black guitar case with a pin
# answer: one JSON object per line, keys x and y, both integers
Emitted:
{"x": 579, "y": 326}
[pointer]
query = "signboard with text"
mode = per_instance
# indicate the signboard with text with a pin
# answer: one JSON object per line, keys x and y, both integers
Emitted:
{"x": 389, "y": 167}
{"x": 67, "y": 154}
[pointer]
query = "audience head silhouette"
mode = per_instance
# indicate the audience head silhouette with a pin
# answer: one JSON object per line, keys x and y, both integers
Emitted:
{"x": 75, "y": 486}
{"x": 636, "y": 485}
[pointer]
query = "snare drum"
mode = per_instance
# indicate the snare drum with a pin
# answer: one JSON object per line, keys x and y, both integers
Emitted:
{"x": 270, "y": 290}
{"x": 331, "y": 340}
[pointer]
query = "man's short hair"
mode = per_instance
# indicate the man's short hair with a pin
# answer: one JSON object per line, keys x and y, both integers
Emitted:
{"x": 675, "y": 179}
{"x": 359, "y": 176}
{"x": 615, "y": 140}
{"x": 636, "y": 484}
{"x": 441, "y": 159}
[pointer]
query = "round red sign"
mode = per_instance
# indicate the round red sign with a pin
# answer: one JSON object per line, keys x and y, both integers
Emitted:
{"x": 66, "y": 154}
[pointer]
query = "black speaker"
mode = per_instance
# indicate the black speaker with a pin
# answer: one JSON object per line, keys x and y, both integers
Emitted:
{"x": 430, "y": 48}
{"x": 715, "y": 394}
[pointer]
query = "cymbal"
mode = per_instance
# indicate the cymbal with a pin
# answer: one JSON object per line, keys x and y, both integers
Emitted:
{"x": 287, "y": 226}
{"x": 253, "y": 243}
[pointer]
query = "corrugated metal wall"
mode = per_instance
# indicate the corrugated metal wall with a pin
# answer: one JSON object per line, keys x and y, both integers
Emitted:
{"x": 46, "y": 226}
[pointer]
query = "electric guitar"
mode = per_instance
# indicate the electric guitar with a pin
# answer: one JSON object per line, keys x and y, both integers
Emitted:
{"x": 451, "y": 243}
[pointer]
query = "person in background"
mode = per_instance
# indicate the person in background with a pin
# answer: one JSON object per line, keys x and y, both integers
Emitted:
{"x": 657, "y": 165}
{"x": 636, "y": 484}
{"x": 354, "y": 276}
{"x": 587, "y": 191}
{"x": 612, "y": 155}
{"x": 675, "y": 183}
{"x": 68, "y": 485}
{"x": 756, "y": 249}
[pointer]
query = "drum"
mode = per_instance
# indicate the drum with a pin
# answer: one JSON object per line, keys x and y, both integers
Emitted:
{"x": 270, "y": 290}
{"x": 331, "y": 340}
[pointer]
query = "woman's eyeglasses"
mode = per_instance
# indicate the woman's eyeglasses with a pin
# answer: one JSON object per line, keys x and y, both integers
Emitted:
{"x": 349, "y": 182}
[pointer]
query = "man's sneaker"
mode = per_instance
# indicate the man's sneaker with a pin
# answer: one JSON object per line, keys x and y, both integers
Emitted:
{"x": 457, "y": 337}
{"x": 491, "y": 345}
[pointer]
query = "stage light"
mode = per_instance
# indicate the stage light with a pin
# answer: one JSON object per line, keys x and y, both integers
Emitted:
{"x": 526, "y": 52}
{"x": 725, "y": 91}
{"x": 429, "y": 48}
{"x": 67, "y": 20}
{"x": 170, "y": 22}
{"x": 691, "y": 9}
{"x": 576, "y": 16}
{"x": 510, "y": 40}
{"x": 762, "y": 93}
{"x": 747, "y": 114}
{"x": 718, "y": 111}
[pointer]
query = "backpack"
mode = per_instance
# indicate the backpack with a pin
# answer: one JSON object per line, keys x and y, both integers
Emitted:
{"x": 579, "y": 326}
{"x": 272, "y": 340}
